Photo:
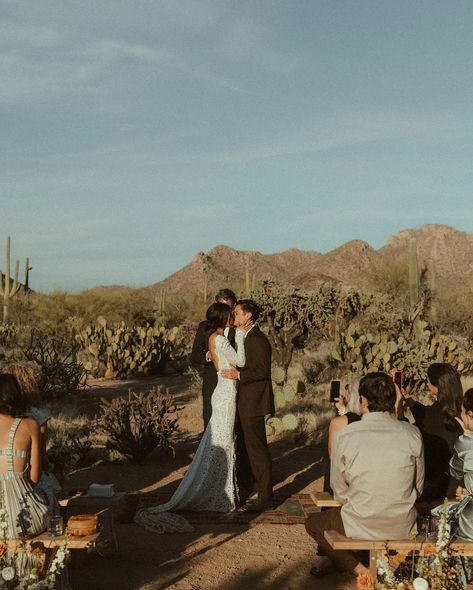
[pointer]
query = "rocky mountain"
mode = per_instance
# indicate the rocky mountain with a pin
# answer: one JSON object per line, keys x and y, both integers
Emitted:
{"x": 450, "y": 251}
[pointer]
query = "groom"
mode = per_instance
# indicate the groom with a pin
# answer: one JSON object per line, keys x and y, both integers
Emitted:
{"x": 255, "y": 400}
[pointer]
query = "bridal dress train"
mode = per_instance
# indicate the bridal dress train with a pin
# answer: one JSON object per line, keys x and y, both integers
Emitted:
{"x": 209, "y": 484}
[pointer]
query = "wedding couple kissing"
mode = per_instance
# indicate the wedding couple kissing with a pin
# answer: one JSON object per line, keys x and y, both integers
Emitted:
{"x": 232, "y": 466}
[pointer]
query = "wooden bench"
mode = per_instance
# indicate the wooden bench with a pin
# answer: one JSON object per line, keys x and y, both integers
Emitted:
{"x": 48, "y": 542}
{"x": 419, "y": 544}
{"x": 106, "y": 508}
{"x": 326, "y": 500}
{"x": 78, "y": 546}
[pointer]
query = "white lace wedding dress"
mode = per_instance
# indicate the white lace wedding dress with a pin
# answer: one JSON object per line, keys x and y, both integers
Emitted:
{"x": 209, "y": 484}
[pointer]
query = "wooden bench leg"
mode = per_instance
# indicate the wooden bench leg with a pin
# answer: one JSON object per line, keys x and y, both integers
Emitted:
{"x": 373, "y": 564}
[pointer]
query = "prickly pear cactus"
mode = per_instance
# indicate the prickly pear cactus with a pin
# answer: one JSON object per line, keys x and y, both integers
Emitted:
{"x": 363, "y": 352}
{"x": 278, "y": 375}
{"x": 122, "y": 350}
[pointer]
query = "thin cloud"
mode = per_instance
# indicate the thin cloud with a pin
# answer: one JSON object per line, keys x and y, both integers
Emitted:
{"x": 344, "y": 131}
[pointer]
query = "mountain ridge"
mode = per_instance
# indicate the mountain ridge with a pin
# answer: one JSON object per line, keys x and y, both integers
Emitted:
{"x": 449, "y": 250}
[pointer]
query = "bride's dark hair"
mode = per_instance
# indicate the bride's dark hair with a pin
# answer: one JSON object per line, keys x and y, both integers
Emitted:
{"x": 217, "y": 317}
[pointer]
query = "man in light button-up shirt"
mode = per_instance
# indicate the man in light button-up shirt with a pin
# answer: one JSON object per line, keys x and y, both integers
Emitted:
{"x": 377, "y": 474}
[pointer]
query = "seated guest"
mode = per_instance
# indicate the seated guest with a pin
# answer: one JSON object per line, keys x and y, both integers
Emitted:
{"x": 28, "y": 376}
{"x": 377, "y": 474}
{"x": 20, "y": 469}
{"x": 348, "y": 407}
{"x": 439, "y": 429}
{"x": 461, "y": 468}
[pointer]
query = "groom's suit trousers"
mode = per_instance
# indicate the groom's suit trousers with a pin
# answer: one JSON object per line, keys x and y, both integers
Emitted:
{"x": 254, "y": 439}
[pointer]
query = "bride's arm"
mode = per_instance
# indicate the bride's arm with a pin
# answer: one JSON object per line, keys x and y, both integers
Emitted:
{"x": 235, "y": 357}
{"x": 213, "y": 352}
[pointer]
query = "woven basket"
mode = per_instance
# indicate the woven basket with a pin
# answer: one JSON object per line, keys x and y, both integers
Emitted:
{"x": 82, "y": 525}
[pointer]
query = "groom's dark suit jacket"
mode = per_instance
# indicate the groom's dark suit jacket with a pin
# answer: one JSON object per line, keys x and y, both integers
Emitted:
{"x": 255, "y": 392}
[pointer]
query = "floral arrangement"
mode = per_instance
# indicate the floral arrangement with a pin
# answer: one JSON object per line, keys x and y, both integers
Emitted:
{"x": 41, "y": 577}
{"x": 434, "y": 570}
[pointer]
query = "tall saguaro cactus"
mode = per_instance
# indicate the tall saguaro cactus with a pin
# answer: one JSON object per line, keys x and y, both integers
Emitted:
{"x": 413, "y": 274}
{"x": 7, "y": 289}
{"x": 27, "y": 274}
{"x": 247, "y": 275}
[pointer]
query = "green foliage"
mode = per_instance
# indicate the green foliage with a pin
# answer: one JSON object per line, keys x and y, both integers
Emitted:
{"x": 363, "y": 352}
{"x": 284, "y": 395}
{"x": 137, "y": 425}
{"x": 59, "y": 311}
{"x": 69, "y": 444}
{"x": 320, "y": 371}
{"x": 290, "y": 313}
{"x": 8, "y": 334}
{"x": 123, "y": 351}
{"x": 61, "y": 371}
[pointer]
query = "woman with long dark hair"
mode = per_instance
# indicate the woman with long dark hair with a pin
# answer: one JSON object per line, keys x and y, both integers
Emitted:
{"x": 20, "y": 469}
{"x": 209, "y": 483}
{"x": 439, "y": 428}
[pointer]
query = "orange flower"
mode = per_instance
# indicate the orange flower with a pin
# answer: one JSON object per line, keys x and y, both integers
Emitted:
{"x": 399, "y": 557}
{"x": 364, "y": 582}
{"x": 3, "y": 549}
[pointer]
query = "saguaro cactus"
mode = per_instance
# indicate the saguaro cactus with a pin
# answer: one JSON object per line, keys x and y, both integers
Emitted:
{"x": 7, "y": 289}
{"x": 27, "y": 274}
{"x": 413, "y": 274}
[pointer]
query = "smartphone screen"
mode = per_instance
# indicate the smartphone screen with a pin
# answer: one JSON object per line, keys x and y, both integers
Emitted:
{"x": 334, "y": 390}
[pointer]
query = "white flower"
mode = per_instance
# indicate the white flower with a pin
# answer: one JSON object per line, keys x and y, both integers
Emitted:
{"x": 420, "y": 584}
{"x": 8, "y": 573}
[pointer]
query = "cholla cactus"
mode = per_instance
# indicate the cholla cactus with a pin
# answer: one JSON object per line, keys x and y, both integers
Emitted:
{"x": 137, "y": 425}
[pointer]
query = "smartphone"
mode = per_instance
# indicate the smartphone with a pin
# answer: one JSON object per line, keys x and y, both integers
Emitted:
{"x": 398, "y": 378}
{"x": 334, "y": 391}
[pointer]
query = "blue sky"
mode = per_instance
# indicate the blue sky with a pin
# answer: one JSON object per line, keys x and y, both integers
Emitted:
{"x": 137, "y": 133}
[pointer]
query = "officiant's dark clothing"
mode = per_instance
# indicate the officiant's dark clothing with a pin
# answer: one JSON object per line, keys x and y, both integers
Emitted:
{"x": 439, "y": 441}
{"x": 198, "y": 359}
{"x": 255, "y": 400}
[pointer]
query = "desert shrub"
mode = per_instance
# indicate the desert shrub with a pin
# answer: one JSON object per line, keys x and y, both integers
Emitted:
{"x": 53, "y": 311}
{"x": 137, "y": 425}
{"x": 313, "y": 413}
{"x": 61, "y": 371}
{"x": 69, "y": 444}
{"x": 318, "y": 371}
{"x": 8, "y": 334}
{"x": 195, "y": 387}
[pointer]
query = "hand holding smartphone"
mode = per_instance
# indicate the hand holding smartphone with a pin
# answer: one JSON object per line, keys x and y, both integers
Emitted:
{"x": 334, "y": 391}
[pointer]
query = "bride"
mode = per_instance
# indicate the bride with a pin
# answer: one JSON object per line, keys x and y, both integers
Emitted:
{"x": 209, "y": 484}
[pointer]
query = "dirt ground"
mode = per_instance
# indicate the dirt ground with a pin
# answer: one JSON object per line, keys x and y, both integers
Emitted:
{"x": 230, "y": 556}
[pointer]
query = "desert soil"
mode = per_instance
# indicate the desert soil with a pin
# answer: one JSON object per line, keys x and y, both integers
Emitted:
{"x": 228, "y": 556}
